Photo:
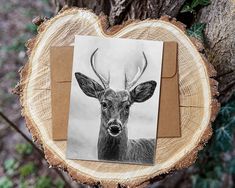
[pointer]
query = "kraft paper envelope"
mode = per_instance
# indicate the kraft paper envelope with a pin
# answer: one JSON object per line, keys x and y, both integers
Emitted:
{"x": 61, "y": 60}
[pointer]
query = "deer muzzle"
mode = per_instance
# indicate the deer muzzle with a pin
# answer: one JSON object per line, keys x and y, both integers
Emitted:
{"x": 114, "y": 127}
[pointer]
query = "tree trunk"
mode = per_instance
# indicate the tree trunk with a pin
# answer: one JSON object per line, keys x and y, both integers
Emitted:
{"x": 220, "y": 43}
{"x": 119, "y": 11}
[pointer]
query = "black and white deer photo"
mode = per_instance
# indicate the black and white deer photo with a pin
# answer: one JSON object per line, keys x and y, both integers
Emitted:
{"x": 114, "y": 99}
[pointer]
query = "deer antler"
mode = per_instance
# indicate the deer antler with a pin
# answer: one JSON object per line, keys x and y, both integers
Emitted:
{"x": 102, "y": 79}
{"x": 129, "y": 85}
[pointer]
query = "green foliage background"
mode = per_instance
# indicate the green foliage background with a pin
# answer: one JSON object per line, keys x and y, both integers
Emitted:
{"x": 217, "y": 158}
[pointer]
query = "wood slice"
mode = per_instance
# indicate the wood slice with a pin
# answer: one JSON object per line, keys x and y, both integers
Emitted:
{"x": 197, "y": 91}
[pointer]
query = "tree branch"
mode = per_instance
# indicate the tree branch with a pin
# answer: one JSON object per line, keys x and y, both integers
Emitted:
{"x": 15, "y": 127}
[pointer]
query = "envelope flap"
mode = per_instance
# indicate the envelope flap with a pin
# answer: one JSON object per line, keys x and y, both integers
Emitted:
{"x": 61, "y": 59}
{"x": 169, "y": 59}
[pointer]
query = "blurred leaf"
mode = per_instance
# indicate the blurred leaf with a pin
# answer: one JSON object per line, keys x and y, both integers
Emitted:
{"x": 44, "y": 182}
{"x": 59, "y": 183}
{"x": 187, "y": 8}
{"x": 27, "y": 169}
{"x": 45, "y": 1}
{"x": 196, "y": 30}
{"x": 10, "y": 165}
{"x": 194, "y": 179}
{"x": 32, "y": 28}
{"x": 216, "y": 172}
{"x": 224, "y": 138}
{"x": 214, "y": 183}
{"x": 226, "y": 112}
{"x": 196, "y": 3}
{"x": 199, "y": 182}
{"x": 23, "y": 184}
{"x": 211, "y": 163}
{"x": 232, "y": 122}
{"x": 190, "y": 5}
{"x": 5, "y": 182}
{"x": 18, "y": 44}
{"x": 231, "y": 166}
{"x": 24, "y": 149}
{"x": 225, "y": 126}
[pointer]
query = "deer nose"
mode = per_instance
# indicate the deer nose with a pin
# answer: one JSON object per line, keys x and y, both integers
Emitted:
{"x": 114, "y": 127}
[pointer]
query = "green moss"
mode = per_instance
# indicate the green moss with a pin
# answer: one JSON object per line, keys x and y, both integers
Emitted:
{"x": 27, "y": 169}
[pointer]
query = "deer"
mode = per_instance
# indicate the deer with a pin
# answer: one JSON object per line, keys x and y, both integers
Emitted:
{"x": 113, "y": 143}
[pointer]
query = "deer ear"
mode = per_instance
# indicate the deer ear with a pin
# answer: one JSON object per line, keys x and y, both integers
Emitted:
{"x": 143, "y": 91}
{"x": 89, "y": 86}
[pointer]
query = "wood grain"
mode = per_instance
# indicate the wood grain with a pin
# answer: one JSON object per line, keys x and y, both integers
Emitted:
{"x": 197, "y": 103}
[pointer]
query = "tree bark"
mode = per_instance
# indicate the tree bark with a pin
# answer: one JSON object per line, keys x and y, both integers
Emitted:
{"x": 119, "y": 11}
{"x": 220, "y": 43}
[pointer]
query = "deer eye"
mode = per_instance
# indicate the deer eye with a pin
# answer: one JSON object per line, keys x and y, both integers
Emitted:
{"x": 127, "y": 107}
{"x": 104, "y": 105}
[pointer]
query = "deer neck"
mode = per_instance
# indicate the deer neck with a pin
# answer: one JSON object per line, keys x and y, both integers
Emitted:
{"x": 112, "y": 148}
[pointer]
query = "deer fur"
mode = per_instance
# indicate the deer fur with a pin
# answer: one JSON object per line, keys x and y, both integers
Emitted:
{"x": 113, "y": 143}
